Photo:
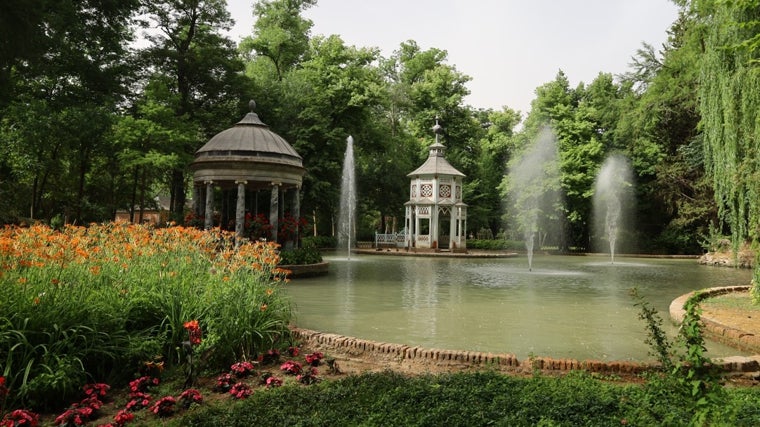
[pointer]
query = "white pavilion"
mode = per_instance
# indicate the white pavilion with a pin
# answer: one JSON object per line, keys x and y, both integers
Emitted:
{"x": 436, "y": 217}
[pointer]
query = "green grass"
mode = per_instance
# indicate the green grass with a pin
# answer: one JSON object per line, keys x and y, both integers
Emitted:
{"x": 736, "y": 301}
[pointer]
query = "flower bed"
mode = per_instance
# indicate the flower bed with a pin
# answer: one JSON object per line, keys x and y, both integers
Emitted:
{"x": 85, "y": 302}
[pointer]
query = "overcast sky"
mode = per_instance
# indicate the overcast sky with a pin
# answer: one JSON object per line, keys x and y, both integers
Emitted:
{"x": 507, "y": 47}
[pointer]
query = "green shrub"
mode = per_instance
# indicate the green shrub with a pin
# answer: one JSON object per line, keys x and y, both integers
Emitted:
{"x": 496, "y": 245}
{"x": 301, "y": 256}
{"x": 319, "y": 242}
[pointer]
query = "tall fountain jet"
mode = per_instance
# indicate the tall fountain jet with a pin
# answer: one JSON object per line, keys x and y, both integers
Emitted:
{"x": 346, "y": 219}
{"x": 612, "y": 193}
{"x": 533, "y": 187}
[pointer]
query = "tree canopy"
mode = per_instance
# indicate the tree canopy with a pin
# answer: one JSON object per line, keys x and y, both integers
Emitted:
{"x": 92, "y": 123}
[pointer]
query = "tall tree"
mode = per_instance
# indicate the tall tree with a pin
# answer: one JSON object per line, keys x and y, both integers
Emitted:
{"x": 199, "y": 64}
{"x": 63, "y": 67}
{"x": 659, "y": 127}
{"x": 280, "y": 33}
{"x": 730, "y": 107}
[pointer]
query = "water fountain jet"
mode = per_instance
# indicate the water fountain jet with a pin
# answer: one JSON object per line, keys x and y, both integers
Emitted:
{"x": 533, "y": 187}
{"x": 346, "y": 217}
{"x": 612, "y": 192}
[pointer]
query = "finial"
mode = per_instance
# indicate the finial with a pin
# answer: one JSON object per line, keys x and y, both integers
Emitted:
{"x": 437, "y": 129}
{"x": 252, "y": 105}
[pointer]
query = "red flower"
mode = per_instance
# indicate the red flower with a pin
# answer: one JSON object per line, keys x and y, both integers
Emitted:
{"x": 190, "y": 396}
{"x": 91, "y": 402}
{"x": 74, "y": 417}
{"x": 224, "y": 383}
{"x": 314, "y": 358}
{"x": 98, "y": 389}
{"x": 141, "y": 384}
{"x": 139, "y": 401}
{"x": 291, "y": 367}
{"x": 3, "y": 388}
{"x": 242, "y": 369}
{"x": 240, "y": 391}
{"x": 164, "y": 406}
{"x": 293, "y": 351}
{"x": 20, "y": 417}
{"x": 308, "y": 377}
{"x": 194, "y": 330}
{"x": 273, "y": 382}
{"x": 122, "y": 417}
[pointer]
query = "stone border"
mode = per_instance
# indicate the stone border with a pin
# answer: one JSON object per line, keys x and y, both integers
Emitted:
{"x": 717, "y": 331}
{"x": 406, "y": 358}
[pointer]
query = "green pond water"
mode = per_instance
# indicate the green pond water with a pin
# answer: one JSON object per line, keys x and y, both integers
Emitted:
{"x": 566, "y": 307}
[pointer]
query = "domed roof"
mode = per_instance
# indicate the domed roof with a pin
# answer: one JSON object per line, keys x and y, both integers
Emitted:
{"x": 250, "y": 137}
{"x": 250, "y": 152}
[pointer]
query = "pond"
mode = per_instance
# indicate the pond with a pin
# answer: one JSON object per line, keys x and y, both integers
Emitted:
{"x": 567, "y": 307}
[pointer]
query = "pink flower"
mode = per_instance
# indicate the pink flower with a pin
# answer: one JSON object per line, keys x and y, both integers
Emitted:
{"x": 273, "y": 382}
{"x": 242, "y": 369}
{"x": 291, "y": 367}
{"x": 240, "y": 391}
{"x": 313, "y": 359}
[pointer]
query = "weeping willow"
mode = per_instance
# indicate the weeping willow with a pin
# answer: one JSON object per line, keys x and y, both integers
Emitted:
{"x": 730, "y": 108}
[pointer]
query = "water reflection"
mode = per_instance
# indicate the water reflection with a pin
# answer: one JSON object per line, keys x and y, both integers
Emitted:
{"x": 575, "y": 307}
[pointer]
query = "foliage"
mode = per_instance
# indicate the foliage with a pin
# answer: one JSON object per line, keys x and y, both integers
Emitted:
{"x": 730, "y": 106}
{"x": 83, "y": 302}
{"x": 319, "y": 242}
{"x": 690, "y": 382}
{"x": 478, "y": 398}
{"x": 308, "y": 254}
{"x": 496, "y": 244}
{"x": 189, "y": 54}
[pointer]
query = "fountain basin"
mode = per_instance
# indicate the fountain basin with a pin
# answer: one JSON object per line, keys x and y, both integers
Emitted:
{"x": 574, "y": 307}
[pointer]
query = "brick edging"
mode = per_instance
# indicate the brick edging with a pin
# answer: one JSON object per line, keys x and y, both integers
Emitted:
{"x": 731, "y": 336}
{"x": 404, "y": 357}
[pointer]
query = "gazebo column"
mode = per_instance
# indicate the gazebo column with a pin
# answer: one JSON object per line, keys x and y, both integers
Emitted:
{"x": 416, "y": 222}
{"x": 274, "y": 209}
{"x": 434, "y": 227}
{"x": 297, "y": 213}
{"x": 209, "y": 216}
{"x": 197, "y": 194}
{"x": 240, "y": 209}
{"x": 453, "y": 235}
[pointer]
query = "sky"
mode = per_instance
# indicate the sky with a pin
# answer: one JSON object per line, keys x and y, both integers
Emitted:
{"x": 508, "y": 47}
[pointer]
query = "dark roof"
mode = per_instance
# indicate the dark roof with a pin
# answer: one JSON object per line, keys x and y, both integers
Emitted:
{"x": 250, "y": 137}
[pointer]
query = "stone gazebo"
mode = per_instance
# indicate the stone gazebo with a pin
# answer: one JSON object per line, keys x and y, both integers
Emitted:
{"x": 436, "y": 217}
{"x": 243, "y": 162}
